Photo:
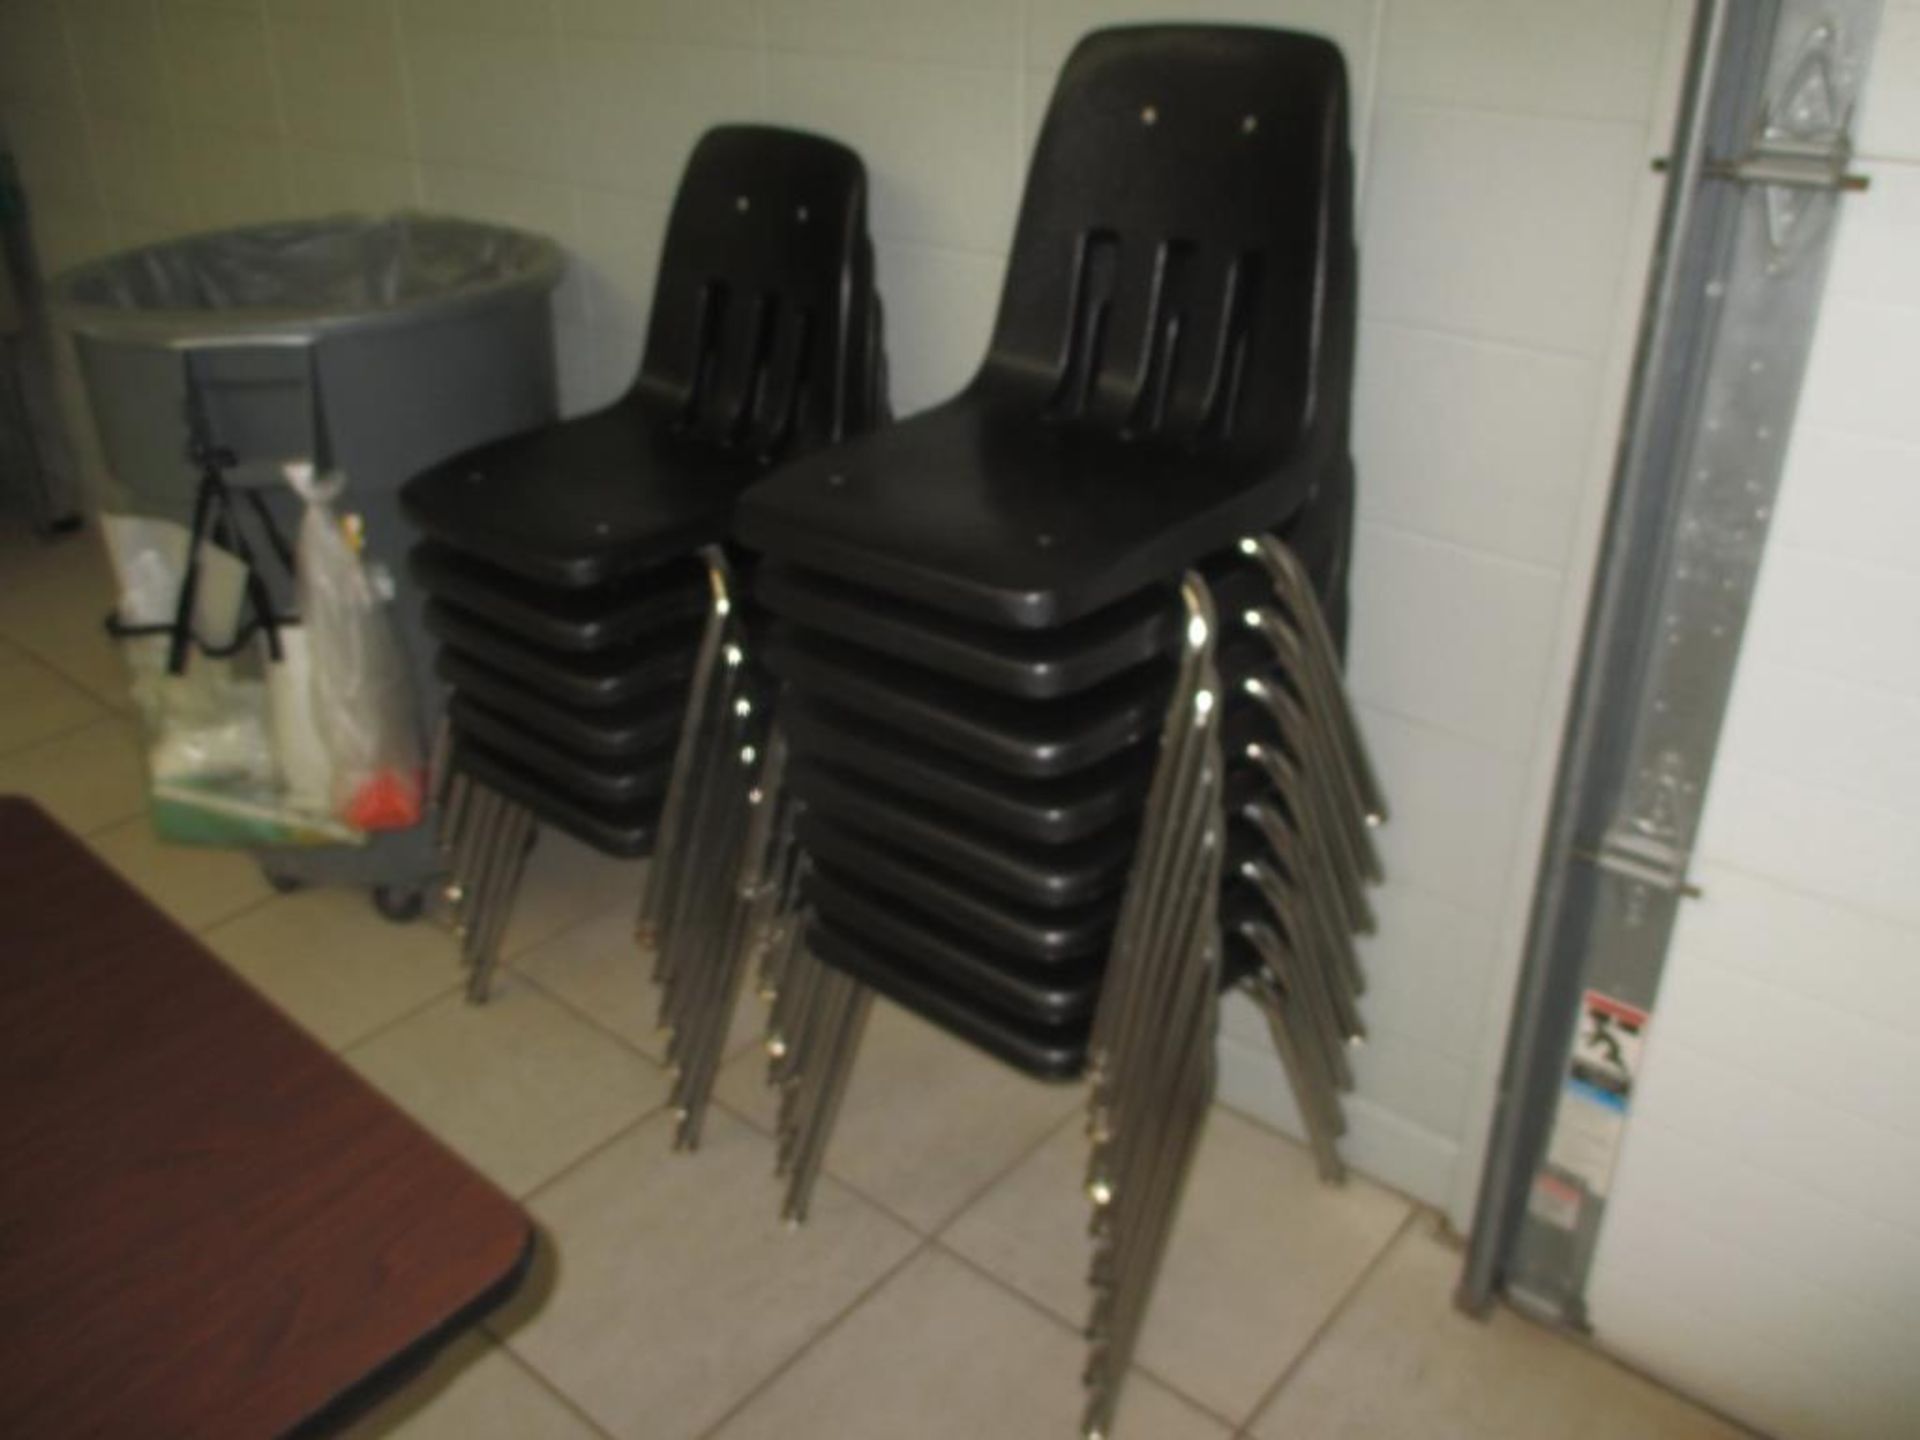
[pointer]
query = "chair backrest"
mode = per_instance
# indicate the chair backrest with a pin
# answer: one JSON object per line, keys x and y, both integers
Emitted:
{"x": 764, "y": 299}
{"x": 1183, "y": 265}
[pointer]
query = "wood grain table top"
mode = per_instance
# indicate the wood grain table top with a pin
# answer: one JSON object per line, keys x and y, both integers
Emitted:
{"x": 209, "y": 1225}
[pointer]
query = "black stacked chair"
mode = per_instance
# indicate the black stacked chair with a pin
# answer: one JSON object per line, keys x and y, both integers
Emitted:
{"x": 1063, "y": 741}
{"x": 585, "y": 605}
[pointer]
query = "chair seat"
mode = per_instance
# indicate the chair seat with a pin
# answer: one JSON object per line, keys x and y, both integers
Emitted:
{"x": 622, "y": 831}
{"x": 1046, "y": 995}
{"x": 1057, "y": 1053}
{"x": 601, "y": 680}
{"x": 1052, "y": 811}
{"x": 1044, "y": 876}
{"x": 617, "y": 784}
{"x": 1042, "y": 664}
{"x": 601, "y": 618}
{"x": 1046, "y": 936}
{"x": 587, "y": 502}
{"x": 1050, "y": 663}
{"x": 998, "y": 516}
{"x": 1019, "y": 737}
{"x": 619, "y": 731}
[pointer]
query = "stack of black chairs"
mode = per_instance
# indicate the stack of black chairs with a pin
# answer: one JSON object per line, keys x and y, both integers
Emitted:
{"x": 579, "y": 583}
{"x": 1062, "y": 748}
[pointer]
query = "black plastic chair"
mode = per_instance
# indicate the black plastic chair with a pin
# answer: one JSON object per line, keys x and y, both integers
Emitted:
{"x": 596, "y": 618}
{"x": 1012, "y": 629}
{"x": 990, "y": 585}
{"x": 1171, "y": 365}
{"x": 572, "y": 570}
{"x": 590, "y": 680}
{"x": 762, "y": 344}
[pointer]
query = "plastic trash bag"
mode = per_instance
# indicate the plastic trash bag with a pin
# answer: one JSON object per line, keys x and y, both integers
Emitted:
{"x": 213, "y": 774}
{"x": 362, "y": 704}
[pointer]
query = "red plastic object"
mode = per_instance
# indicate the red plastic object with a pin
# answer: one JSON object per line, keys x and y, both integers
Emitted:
{"x": 388, "y": 801}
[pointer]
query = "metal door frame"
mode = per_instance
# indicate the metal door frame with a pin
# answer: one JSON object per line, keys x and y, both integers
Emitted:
{"x": 1738, "y": 271}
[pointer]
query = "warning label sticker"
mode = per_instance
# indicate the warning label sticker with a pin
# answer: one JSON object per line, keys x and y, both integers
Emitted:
{"x": 1592, "y": 1117}
{"x": 1606, "y": 1047}
{"x": 1554, "y": 1202}
{"x": 1586, "y": 1137}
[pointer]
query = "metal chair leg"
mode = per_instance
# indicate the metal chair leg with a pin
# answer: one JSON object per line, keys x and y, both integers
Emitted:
{"x": 841, "y": 1046}
{"x": 519, "y": 829}
{"x": 677, "y": 815}
{"x": 1156, "y": 1020}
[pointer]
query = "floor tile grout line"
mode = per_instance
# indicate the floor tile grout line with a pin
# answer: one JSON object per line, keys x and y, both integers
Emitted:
{"x": 206, "y": 927}
{"x": 66, "y": 732}
{"x": 32, "y": 653}
{"x": 587, "y": 1017}
{"x": 115, "y": 824}
{"x": 521, "y": 1197}
{"x": 598, "y": 1148}
{"x": 923, "y": 1242}
{"x": 393, "y": 1022}
{"x": 772, "y": 1377}
{"x": 1027, "y": 1152}
{"x": 117, "y": 704}
{"x": 940, "y": 1240}
{"x": 1332, "y": 1317}
{"x": 626, "y": 1127}
{"x": 973, "y": 1197}
{"x": 526, "y": 947}
{"x": 533, "y": 980}
{"x": 826, "y": 1170}
{"x": 526, "y": 1199}
{"x": 1414, "y": 1210}
{"x": 1078, "y": 1328}
{"x": 21, "y": 751}
{"x": 1267, "y": 1127}
{"x": 341, "y": 1048}
{"x": 32, "y": 649}
{"x": 201, "y": 930}
{"x": 745, "y": 1047}
{"x": 920, "y": 1241}
{"x": 204, "y": 930}
{"x": 540, "y": 1378}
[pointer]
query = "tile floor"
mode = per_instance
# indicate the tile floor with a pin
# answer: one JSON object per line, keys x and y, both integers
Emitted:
{"x": 937, "y": 1290}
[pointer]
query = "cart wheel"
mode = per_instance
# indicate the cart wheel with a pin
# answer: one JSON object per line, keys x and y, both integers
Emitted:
{"x": 283, "y": 884}
{"x": 399, "y": 906}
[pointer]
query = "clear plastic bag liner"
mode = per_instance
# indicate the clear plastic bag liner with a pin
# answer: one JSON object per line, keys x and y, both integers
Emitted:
{"x": 328, "y": 273}
{"x": 361, "y": 698}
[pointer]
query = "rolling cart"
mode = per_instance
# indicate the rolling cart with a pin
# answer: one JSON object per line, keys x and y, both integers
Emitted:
{"x": 414, "y": 337}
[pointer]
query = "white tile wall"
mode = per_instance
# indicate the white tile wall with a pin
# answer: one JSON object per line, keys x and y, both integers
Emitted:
{"x": 1499, "y": 226}
{"x": 1762, "y": 1244}
{"x": 218, "y": 57}
{"x": 940, "y": 306}
{"x": 1890, "y": 120}
{"x": 712, "y": 22}
{"x": 634, "y": 107}
{"x": 1507, "y": 487}
{"x": 116, "y": 47}
{"x": 340, "y": 79}
{"x": 1505, "y": 207}
{"x": 1054, "y": 25}
{"x": 1763, "y": 929}
{"x": 983, "y": 34}
{"x": 1531, "y": 57}
{"x": 1849, "y": 1361}
{"x": 1451, "y": 635}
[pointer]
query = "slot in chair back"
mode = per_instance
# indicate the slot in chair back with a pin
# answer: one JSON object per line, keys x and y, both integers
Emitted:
{"x": 1185, "y": 242}
{"x": 756, "y": 341}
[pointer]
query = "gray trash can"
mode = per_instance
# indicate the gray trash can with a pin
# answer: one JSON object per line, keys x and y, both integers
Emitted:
{"x": 385, "y": 345}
